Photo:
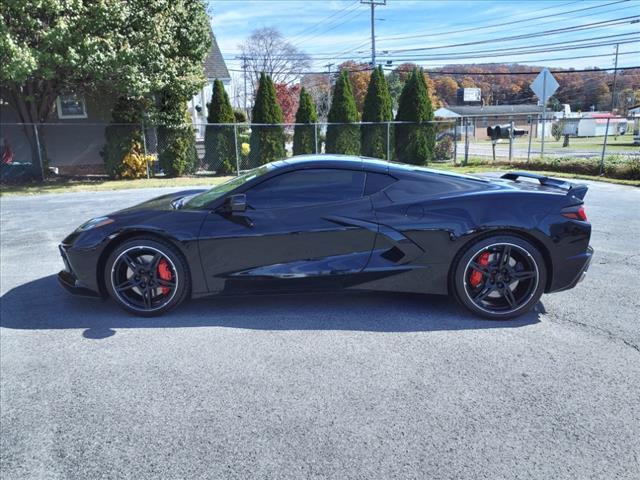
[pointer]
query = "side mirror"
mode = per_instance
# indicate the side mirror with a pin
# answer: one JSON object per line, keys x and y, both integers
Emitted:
{"x": 237, "y": 203}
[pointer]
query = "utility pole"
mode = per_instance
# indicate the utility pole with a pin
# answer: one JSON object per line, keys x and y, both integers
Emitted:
{"x": 244, "y": 74}
{"x": 615, "y": 80}
{"x": 373, "y": 4}
{"x": 613, "y": 104}
{"x": 328, "y": 67}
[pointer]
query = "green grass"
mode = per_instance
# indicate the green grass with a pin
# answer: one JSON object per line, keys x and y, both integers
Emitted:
{"x": 101, "y": 184}
{"x": 63, "y": 185}
{"x": 622, "y": 143}
{"x": 483, "y": 168}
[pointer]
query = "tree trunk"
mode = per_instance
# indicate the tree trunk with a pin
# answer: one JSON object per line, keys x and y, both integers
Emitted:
{"x": 33, "y": 102}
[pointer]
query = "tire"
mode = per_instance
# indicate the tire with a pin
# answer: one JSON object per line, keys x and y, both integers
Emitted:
{"x": 505, "y": 263}
{"x": 147, "y": 277}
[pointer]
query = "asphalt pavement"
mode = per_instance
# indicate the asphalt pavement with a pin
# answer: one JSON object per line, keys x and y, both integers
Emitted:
{"x": 315, "y": 386}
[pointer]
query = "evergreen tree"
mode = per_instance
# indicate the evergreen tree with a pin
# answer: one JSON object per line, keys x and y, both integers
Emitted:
{"x": 123, "y": 136}
{"x": 343, "y": 138}
{"x": 415, "y": 142}
{"x": 377, "y": 108}
{"x": 267, "y": 142}
{"x": 219, "y": 143}
{"x": 304, "y": 137}
{"x": 176, "y": 138}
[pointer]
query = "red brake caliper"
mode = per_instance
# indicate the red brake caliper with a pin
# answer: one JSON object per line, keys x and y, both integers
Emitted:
{"x": 475, "y": 278}
{"x": 165, "y": 274}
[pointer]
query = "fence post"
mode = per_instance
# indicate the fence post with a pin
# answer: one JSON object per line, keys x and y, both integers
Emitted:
{"x": 604, "y": 147}
{"x": 466, "y": 141}
{"x": 35, "y": 130}
{"x": 144, "y": 147}
{"x": 388, "y": 141}
{"x": 235, "y": 141}
{"x": 455, "y": 141}
{"x": 315, "y": 136}
{"x": 511, "y": 126}
{"x": 530, "y": 133}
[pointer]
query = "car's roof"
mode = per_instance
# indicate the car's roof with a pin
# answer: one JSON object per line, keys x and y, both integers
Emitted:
{"x": 365, "y": 163}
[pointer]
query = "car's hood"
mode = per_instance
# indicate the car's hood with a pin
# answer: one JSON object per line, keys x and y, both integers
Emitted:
{"x": 171, "y": 201}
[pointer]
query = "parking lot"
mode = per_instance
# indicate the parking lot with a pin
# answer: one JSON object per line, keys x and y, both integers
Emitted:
{"x": 316, "y": 386}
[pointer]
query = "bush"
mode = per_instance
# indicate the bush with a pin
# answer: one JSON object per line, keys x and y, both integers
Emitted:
{"x": 444, "y": 148}
{"x": 343, "y": 138}
{"x": 245, "y": 149}
{"x": 219, "y": 141}
{"x": 267, "y": 141}
{"x": 377, "y": 108}
{"x": 239, "y": 116}
{"x": 415, "y": 142}
{"x": 135, "y": 163}
{"x": 615, "y": 166}
{"x": 556, "y": 130}
{"x": 178, "y": 154}
{"x": 304, "y": 136}
{"x": 122, "y": 135}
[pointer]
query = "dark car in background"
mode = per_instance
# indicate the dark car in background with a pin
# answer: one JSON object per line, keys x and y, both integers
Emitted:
{"x": 327, "y": 222}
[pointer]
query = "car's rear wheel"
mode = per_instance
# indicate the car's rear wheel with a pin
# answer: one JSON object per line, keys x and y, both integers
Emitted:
{"x": 500, "y": 277}
{"x": 146, "y": 277}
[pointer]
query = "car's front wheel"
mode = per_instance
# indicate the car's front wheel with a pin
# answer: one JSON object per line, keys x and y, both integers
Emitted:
{"x": 146, "y": 277}
{"x": 499, "y": 277}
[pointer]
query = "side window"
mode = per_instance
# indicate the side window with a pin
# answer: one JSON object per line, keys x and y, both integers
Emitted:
{"x": 377, "y": 182}
{"x": 307, "y": 187}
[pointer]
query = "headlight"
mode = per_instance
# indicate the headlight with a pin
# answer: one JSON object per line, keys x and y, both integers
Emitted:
{"x": 95, "y": 222}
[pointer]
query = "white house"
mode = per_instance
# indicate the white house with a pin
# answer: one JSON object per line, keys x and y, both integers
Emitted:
{"x": 214, "y": 68}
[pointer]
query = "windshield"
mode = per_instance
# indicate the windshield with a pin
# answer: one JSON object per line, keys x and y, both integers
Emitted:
{"x": 219, "y": 190}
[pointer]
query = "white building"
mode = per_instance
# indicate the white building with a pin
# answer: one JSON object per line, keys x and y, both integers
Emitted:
{"x": 214, "y": 68}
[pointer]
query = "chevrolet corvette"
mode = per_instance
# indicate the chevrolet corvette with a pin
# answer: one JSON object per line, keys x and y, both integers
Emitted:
{"x": 327, "y": 222}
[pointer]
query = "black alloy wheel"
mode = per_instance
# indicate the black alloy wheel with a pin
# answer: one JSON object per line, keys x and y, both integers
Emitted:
{"x": 146, "y": 277}
{"x": 500, "y": 277}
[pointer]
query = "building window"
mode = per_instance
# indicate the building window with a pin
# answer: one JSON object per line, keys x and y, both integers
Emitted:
{"x": 71, "y": 106}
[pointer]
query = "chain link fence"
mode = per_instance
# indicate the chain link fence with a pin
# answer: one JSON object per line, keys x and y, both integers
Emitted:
{"x": 597, "y": 143}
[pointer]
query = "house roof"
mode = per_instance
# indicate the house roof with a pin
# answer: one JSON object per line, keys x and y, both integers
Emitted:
{"x": 480, "y": 110}
{"x": 214, "y": 66}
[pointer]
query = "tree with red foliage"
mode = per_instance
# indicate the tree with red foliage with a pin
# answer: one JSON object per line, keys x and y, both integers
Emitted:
{"x": 288, "y": 98}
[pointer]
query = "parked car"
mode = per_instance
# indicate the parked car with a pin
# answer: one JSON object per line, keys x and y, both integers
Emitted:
{"x": 325, "y": 222}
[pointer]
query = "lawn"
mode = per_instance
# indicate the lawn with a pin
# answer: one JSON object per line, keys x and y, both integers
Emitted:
{"x": 621, "y": 143}
{"x": 63, "y": 185}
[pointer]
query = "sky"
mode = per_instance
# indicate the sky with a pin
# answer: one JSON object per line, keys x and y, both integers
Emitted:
{"x": 430, "y": 32}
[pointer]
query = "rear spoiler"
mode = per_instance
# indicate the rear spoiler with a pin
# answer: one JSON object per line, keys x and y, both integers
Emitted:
{"x": 574, "y": 190}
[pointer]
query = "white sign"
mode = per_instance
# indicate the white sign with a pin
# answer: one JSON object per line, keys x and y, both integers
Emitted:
{"x": 544, "y": 85}
{"x": 471, "y": 95}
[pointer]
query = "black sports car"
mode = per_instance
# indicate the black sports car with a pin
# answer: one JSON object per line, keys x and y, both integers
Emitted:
{"x": 337, "y": 222}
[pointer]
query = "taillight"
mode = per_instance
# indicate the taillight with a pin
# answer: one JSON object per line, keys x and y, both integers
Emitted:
{"x": 575, "y": 213}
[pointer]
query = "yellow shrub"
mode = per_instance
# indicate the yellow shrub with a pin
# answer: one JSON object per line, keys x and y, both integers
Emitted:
{"x": 245, "y": 149}
{"x": 134, "y": 163}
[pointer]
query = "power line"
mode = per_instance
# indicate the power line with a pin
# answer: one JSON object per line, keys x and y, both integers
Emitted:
{"x": 437, "y": 72}
{"x": 586, "y": 26}
{"x": 516, "y": 51}
{"x": 385, "y": 52}
{"x": 305, "y": 32}
{"x": 580, "y": 57}
{"x": 333, "y": 25}
{"x": 438, "y": 34}
{"x": 479, "y": 53}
